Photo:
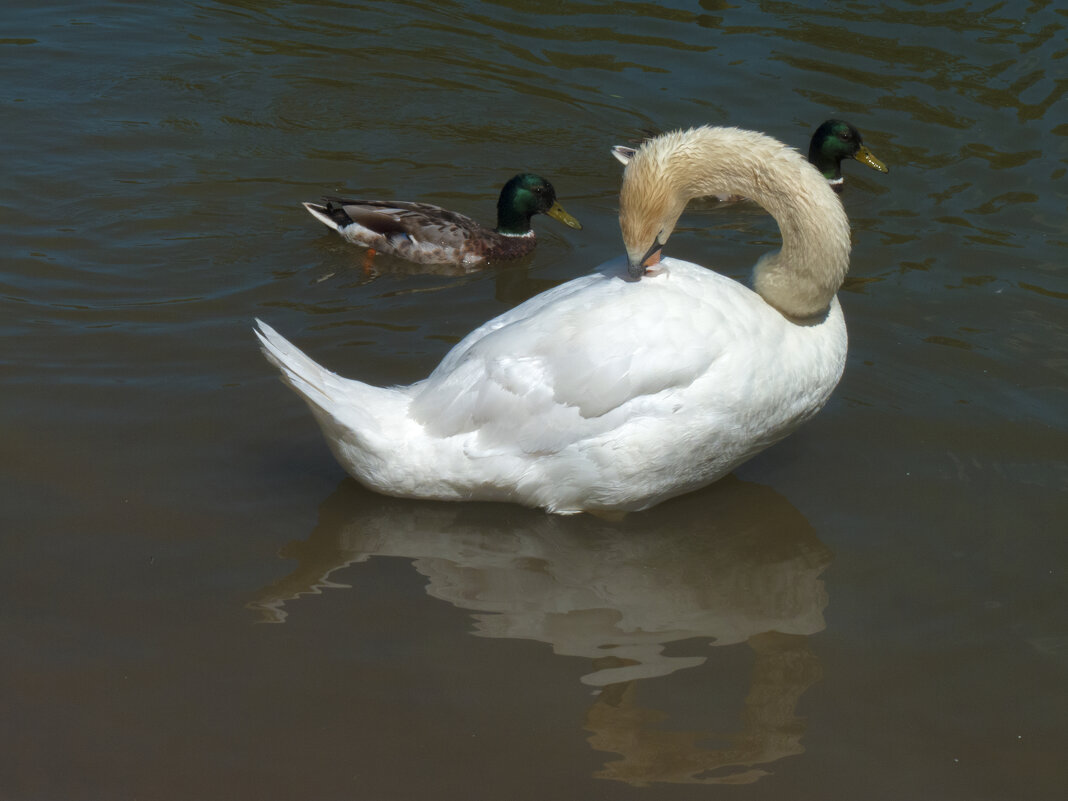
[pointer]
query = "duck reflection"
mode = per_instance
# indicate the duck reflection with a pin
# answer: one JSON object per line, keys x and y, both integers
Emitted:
{"x": 735, "y": 563}
{"x": 512, "y": 281}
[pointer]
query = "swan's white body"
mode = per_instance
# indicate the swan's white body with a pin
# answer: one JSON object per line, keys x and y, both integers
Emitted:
{"x": 610, "y": 394}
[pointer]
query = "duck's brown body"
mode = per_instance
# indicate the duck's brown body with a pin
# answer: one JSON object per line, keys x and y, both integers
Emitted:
{"x": 421, "y": 232}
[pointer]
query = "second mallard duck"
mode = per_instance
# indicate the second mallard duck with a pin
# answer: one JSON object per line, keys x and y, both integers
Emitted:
{"x": 427, "y": 234}
{"x": 835, "y": 141}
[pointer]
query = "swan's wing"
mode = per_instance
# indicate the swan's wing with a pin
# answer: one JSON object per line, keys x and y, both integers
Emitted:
{"x": 577, "y": 363}
{"x": 529, "y": 308}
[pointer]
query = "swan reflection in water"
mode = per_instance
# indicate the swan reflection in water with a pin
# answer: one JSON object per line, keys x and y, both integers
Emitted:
{"x": 732, "y": 564}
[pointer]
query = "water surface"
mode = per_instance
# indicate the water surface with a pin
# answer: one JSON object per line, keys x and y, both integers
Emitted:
{"x": 197, "y": 602}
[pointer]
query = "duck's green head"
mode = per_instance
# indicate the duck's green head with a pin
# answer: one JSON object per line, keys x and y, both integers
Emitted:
{"x": 523, "y": 197}
{"x": 835, "y": 140}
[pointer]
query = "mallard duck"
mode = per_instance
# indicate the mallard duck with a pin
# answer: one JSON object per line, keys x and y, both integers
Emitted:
{"x": 426, "y": 234}
{"x": 649, "y": 378}
{"x": 831, "y": 143}
{"x": 834, "y": 141}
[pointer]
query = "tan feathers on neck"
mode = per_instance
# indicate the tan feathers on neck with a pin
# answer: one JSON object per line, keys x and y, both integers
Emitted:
{"x": 667, "y": 172}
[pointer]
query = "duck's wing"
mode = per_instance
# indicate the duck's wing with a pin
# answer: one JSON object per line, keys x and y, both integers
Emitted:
{"x": 591, "y": 356}
{"x": 399, "y": 220}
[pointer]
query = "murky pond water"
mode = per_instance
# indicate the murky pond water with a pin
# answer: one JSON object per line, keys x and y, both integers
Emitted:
{"x": 198, "y": 604}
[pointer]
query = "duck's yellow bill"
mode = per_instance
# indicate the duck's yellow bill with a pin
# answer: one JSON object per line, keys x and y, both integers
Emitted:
{"x": 556, "y": 211}
{"x": 865, "y": 156}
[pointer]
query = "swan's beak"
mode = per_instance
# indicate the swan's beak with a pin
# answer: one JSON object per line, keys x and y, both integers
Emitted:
{"x": 637, "y": 267}
{"x": 865, "y": 156}
{"x": 556, "y": 211}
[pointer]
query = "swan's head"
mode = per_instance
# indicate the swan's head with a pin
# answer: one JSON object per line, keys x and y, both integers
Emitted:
{"x": 667, "y": 171}
{"x": 651, "y": 200}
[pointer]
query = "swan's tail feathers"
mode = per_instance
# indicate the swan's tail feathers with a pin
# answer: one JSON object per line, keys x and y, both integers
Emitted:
{"x": 360, "y": 422}
{"x": 312, "y": 381}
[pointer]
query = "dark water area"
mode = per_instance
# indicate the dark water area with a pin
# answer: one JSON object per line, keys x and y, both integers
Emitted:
{"x": 197, "y": 603}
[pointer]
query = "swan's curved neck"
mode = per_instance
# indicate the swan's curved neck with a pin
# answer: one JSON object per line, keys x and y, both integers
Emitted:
{"x": 802, "y": 278}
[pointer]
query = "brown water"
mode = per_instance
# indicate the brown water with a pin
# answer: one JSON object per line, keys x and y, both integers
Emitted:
{"x": 197, "y": 604}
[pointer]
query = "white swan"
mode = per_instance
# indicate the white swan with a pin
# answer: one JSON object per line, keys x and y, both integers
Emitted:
{"x": 609, "y": 393}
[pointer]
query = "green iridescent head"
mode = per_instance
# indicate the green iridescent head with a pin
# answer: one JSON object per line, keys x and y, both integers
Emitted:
{"x": 835, "y": 140}
{"x": 523, "y": 197}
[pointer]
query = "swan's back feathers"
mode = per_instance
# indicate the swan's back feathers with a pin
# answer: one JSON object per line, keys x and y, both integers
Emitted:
{"x": 561, "y": 372}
